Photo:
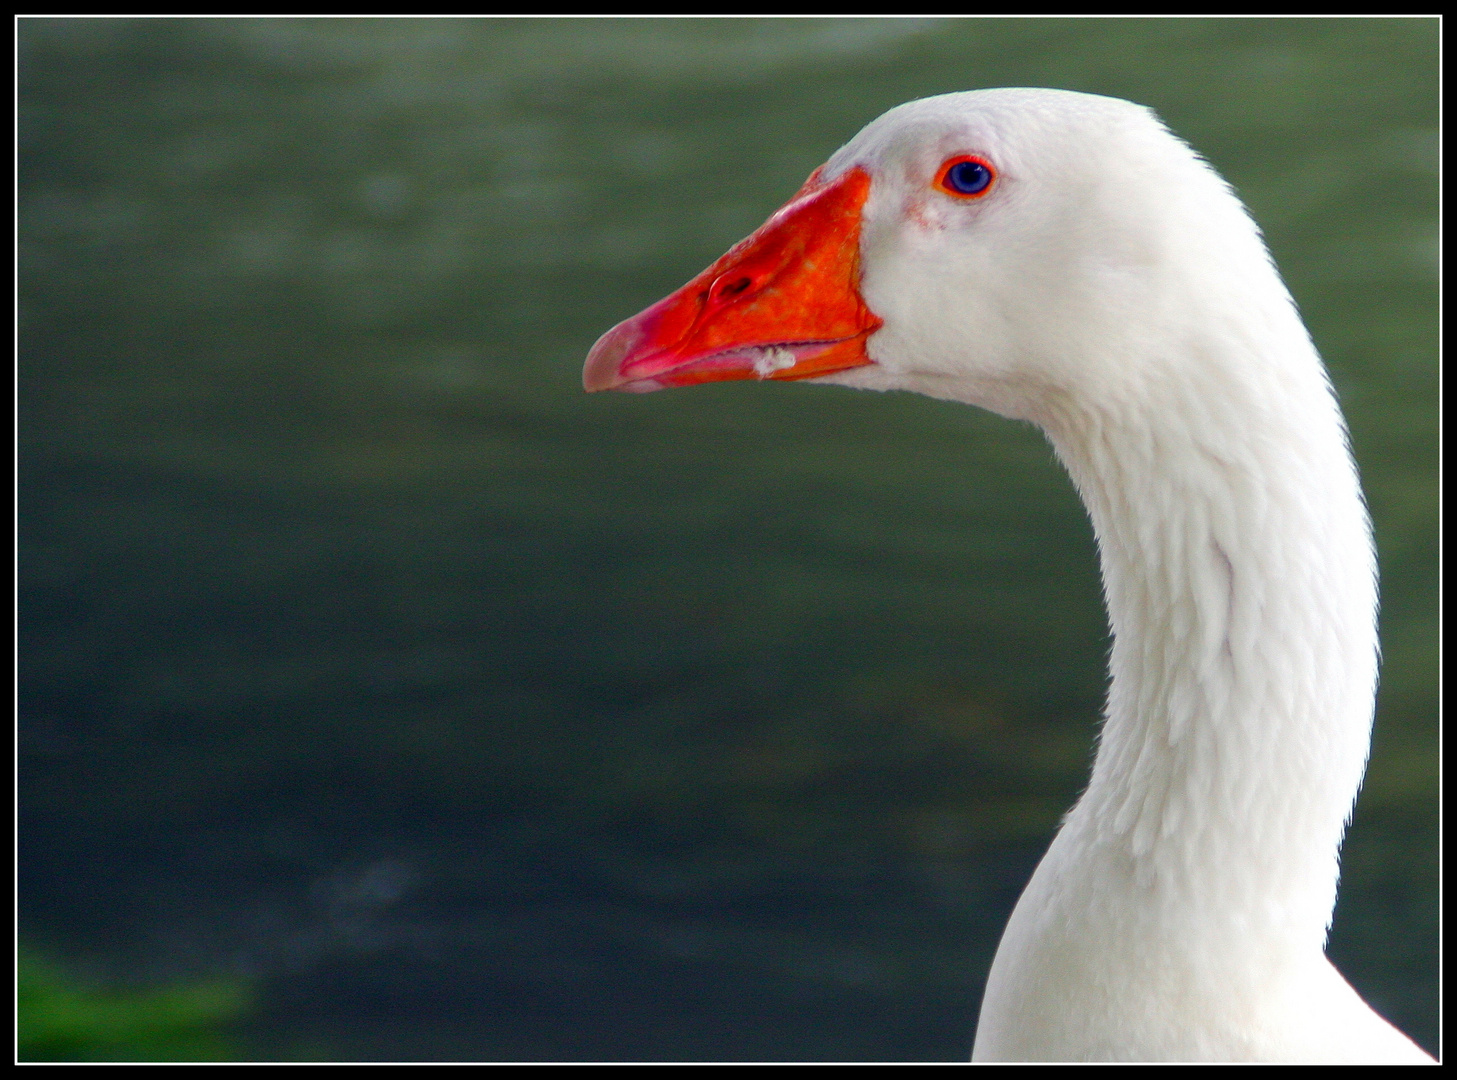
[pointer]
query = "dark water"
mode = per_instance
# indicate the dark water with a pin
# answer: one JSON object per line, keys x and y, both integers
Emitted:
{"x": 471, "y": 717}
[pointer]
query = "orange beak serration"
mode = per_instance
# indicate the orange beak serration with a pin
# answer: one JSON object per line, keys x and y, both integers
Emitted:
{"x": 784, "y": 303}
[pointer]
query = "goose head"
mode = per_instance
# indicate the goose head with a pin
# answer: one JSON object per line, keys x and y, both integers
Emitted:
{"x": 1010, "y": 248}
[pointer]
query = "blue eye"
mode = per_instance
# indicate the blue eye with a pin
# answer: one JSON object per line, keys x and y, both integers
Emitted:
{"x": 966, "y": 177}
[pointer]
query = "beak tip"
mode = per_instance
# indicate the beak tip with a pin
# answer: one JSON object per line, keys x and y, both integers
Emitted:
{"x": 603, "y": 370}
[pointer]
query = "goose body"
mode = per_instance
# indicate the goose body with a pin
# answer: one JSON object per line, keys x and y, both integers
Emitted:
{"x": 1063, "y": 259}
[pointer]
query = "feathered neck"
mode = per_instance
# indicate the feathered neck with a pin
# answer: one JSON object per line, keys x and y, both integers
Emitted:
{"x": 1239, "y": 577}
{"x": 1181, "y": 911}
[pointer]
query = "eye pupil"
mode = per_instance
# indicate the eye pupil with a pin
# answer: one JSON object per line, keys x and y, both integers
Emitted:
{"x": 968, "y": 177}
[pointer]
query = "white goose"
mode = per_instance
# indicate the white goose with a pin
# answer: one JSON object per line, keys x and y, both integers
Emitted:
{"x": 1062, "y": 258}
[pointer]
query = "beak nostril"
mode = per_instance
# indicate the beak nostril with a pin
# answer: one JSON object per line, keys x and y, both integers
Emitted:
{"x": 727, "y": 288}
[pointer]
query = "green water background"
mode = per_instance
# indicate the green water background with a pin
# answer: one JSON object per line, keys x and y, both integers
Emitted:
{"x": 463, "y": 716}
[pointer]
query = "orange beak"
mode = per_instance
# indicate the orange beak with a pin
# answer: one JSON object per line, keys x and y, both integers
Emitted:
{"x": 782, "y": 304}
